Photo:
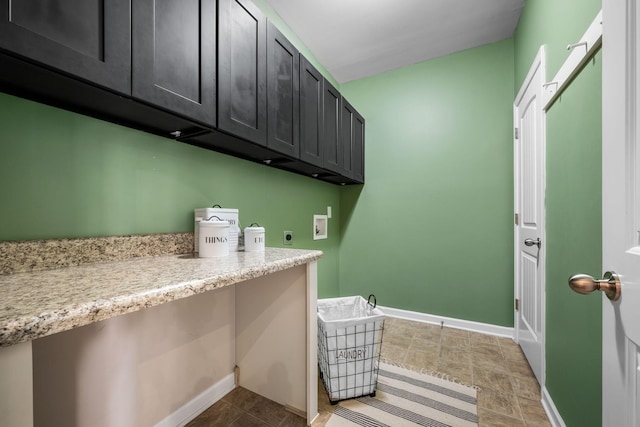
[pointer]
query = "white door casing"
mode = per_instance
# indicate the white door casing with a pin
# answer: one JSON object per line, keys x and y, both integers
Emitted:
{"x": 621, "y": 212}
{"x": 529, "y": 186}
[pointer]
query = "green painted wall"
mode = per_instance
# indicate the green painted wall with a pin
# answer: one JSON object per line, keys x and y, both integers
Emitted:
{"x": 431, "y": 230}
{"x": 574, "y": 242}
{"x": 573, "y": 203}
{"x": 67, "y": 175}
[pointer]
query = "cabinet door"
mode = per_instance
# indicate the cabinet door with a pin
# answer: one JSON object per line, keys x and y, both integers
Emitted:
{"x": 242, "y": 70}
{"x": 283, "y": 94}
{"x": 331, "y": 136}
{"x": 351, "y": 142}
{"x": 357, "y": 146}
{"x": 174, "y": 56}
{"x": 311, "y": 130}
{"x": 89, "y": 39}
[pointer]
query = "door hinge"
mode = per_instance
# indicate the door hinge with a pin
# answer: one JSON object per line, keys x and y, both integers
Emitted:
{"x": 515, "y": 133}
{"x": 516, "y": 219}
{"x": 517, "y": 304}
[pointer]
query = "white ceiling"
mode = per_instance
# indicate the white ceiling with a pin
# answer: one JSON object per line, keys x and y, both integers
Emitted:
{"x": 359, "y": 38}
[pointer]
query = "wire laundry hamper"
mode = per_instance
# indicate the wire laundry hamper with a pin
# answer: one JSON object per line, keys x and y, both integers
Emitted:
{"x": 349, "y": 341}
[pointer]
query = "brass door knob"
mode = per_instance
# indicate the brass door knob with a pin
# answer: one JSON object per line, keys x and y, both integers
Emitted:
{"x": 585, "y": 284}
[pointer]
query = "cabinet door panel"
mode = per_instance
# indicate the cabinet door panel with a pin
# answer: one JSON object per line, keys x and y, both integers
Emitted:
{"x": 89, "y": 39}
{"x": 351, "y": 142}
{"x": 357, "y": 145}
{"x": 333, "y": 156}
{"x": 283, "y": 94}
{"x": 242, "y": 102}
{"x": 174, "y": 56}
{"x": 311, "y": 130}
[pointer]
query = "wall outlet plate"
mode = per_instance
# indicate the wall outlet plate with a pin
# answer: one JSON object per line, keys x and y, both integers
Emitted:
{"x": 288, "y": 238}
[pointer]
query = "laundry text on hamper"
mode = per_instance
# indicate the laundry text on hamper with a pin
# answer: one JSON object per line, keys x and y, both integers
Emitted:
{"x": 352, "y": 354}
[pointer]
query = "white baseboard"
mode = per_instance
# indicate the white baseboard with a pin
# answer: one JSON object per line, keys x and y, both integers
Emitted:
{"x": 550, "y": 408}
{"x": 197, "y": 405}
{"x": 484, "y": 328}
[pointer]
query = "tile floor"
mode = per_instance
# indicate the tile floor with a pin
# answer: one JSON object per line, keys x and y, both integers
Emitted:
{"x": 243, "y": 408}
{"x": 508, "y": 394}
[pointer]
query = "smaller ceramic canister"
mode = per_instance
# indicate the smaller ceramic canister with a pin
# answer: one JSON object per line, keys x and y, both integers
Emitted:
{"x": 254, "y": 238}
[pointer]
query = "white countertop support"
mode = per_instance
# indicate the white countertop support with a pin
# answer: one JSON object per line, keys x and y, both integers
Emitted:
{"x": 16, "y": 379}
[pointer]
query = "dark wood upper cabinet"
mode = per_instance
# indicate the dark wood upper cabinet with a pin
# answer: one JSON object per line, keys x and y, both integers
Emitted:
{"x": 311, "y": 130}
{"x": 174, "y": 56}
{"x": 242, "y": 70}
{"x": 333, "y": 156}
{"x": 88, "y": 39}
{"x": 351, "y": 142}
{"x": 212, "y": 73}
{"x": 283, "y": 94}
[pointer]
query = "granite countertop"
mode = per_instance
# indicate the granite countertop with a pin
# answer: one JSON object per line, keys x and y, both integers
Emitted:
{"x": 40, "y": 303}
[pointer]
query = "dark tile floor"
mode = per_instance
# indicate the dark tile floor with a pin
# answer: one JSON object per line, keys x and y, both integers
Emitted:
{"x": 508, "y": 393}
{"x": 243, "y": 408}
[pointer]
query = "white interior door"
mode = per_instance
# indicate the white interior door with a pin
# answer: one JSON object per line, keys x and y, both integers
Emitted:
{"x": 621, "y": 212}
{"x": 529, "y": 163}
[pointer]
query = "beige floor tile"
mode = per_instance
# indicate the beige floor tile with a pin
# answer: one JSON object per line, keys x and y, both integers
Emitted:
{"x": 457, "y": 371}
{"x": 540, "y": 423}
{"x": 428, "y": 331}
{"x": 492, "y": 380}
{"x": 519, "y": 368}
{"x": 392, "y": 352}
{"x": 453, "y": 341}
{"x": 506, "y": 342}
{"x": 526, "y": 387}
{"x": 401, "y": 338}
{"x": 419, "y": 360}
{"x": 455, "y": 355}
{"x": 488, "y": 361}
{"x": 513, "y": 352}
{"x": 424, "y": 345}
{"x": 483, "y": 338}
{"x": 410, "y": 324}
{"x": 453, "y": 332}
{"x": 533, "y": 413}
{"x": 488, "y": 349}
{"x": 503, "y": 403}
{"x": 489, "y": 418}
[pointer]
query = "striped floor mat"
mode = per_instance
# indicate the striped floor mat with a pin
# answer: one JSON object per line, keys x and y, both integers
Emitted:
{"x": 407, "y": 398}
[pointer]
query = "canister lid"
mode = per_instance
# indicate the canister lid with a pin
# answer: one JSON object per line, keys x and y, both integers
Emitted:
{"x": 254, "y": 228}
{"x": 214, "y": 221}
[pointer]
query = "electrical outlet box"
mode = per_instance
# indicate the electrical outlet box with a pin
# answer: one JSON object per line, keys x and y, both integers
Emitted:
{"x": 320, "y": 227}
{"x": 288, "y": 237}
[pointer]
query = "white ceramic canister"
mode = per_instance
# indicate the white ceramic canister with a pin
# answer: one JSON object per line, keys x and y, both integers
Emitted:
{"x": 254, "y": 238}
{"x": 213, "y": 238}
{"x": 225, "y": 214}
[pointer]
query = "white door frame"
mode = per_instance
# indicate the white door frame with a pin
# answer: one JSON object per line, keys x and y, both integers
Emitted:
{"x": 620, "y": 223}
{"x": 538, "y": 63}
